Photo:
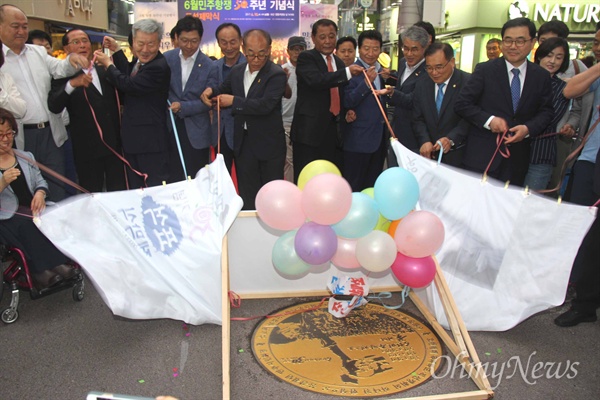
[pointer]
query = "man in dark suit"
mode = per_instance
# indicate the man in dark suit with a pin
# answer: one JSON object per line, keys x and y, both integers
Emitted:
{"x": 254, "y": 90}
{"x": 191, "y": 73}
{"x": 411, "y": 69}
{"x": 321, "y": 77}
{"x": 90, "y": 99}
{"x": 508, "y": 94}
{"x": 434, "y": 120}
{"x": 146, "y": 89}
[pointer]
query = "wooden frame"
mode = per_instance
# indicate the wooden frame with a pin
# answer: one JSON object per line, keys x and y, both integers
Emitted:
{"x": 458, "y": 340}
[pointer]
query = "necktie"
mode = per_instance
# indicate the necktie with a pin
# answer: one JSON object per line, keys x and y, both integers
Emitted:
{"x": 440, "y": 96}
{"x": 135, "y": 69}
{"x": 515, "y": 89}
{"x": 334, "y": 105}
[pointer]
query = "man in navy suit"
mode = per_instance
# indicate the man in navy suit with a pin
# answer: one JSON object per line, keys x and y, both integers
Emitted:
{"x": 191, "y": 73}
{"x": 433, "y": 126}
{"x": 508, "y": 94}
{"x": 254, "y": 90}
{"x": 364, "y": 138}
{"x": 90, "y": 99}
{"x": 314, "y": 132}
{"x": 146, "y": 89}
{"x": 411, "y": 69}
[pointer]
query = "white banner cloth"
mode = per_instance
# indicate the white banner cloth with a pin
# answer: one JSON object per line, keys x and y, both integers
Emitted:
{"x": 152, "y": 253}
{"x": 507, "y": 255}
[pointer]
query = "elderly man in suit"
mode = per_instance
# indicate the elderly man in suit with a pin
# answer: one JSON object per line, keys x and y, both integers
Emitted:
{"x": 254, "y": 90}
{"x": 146, "y": 89}
{"x": 364, "y": 138}
{"x": 95, "y": 121}
{"x": 411, "y": 69}
{"x": 436, "y": 125}
{"x": 191, "y": 73}
{"x": 321, "y": 76}
{"x": 509, "y": 94}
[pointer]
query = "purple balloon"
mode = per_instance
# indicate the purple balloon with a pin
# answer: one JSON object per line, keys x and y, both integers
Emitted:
{"x": 315, "y": 244}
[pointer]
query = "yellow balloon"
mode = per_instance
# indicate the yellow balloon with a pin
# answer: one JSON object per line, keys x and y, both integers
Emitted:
{"x": 369, "y": 192}
{"x": 383, "y": 224}
{"x": 315, "y": 168}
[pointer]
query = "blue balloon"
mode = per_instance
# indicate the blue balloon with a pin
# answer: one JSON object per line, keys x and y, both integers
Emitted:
{"x": 396, "y": 192}
{"x": 285, "y": 258}
{"x": 361, "y": 218}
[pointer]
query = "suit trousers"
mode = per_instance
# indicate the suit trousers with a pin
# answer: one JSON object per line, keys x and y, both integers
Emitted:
{"x": 362, "y": 169}
{"x": 99, "y": 173}
{"x": 41, "y": 143}
{"x": 253, "y": 173}
{"x": 194, "y": 159}
{"x": 304, "y": 154}
{"x": 155, "y": 165}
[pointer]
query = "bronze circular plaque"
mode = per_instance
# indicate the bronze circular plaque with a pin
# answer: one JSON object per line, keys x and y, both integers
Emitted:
{"x": 374, "y": 351}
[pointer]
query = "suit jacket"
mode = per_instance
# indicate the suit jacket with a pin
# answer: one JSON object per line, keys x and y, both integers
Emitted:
{"x": 9, "y": 203}
{"x": 194, "y": 112}
{"x": 312, "y": 105}
{"x": 226, "y": 116}
{"x": 429, "y": 126}
{"x": 259, "y": 110}
{"x": 87, "y": 144}
{"x": 487, "y": 93}
{"x": 365, "y": 134}
{"x": 144, "y": 121}
{"x": 403, "y": 105}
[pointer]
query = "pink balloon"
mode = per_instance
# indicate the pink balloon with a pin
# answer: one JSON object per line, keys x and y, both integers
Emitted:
{"x": 419, "y": 234}
{"x": 279, "y": 205}
{"x": 414, "y": 272}
{"x": 326, "y": 199}
{"x": 345, "y": 256}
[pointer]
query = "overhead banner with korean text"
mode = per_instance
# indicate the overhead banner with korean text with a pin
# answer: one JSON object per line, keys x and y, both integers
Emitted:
{"x": 278, "y": 17}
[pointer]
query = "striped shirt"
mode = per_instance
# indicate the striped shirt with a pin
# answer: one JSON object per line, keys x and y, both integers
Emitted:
{"x": 543, "y": 150}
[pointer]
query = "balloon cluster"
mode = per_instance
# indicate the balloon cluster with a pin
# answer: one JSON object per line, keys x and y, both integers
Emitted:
{"x": 375, "y": 229}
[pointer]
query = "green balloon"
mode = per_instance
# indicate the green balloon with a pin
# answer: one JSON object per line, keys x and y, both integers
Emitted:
{"x": 284, "y": 256}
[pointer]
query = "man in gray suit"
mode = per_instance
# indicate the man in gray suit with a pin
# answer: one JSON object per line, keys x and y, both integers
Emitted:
{"x": 191, "y": 72}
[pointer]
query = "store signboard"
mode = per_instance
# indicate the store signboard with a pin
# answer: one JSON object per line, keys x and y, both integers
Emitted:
{"x": 584, "y": 13}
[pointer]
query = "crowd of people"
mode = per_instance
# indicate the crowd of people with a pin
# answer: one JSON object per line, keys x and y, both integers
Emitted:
{"x": 128, "y": 121}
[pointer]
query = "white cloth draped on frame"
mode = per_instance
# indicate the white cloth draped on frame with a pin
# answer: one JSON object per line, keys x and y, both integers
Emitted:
{"x": 152, "y": 253}
{"x": 507, "y": 255}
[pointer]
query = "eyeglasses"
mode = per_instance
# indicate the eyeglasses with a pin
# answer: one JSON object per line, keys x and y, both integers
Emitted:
{"x": 185, "y": 41}
{"x": 414, "y": 49}
{"x": 77, "y": 42}
{"x": 437, "y": 68}
{"x": 258, "y": 56}
{"x": 519, "y": 42}
{"x": 8, "y": 135}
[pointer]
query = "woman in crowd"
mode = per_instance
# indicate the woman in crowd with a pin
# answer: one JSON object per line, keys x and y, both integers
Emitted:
{"x": 553, "y": 56}
{"x": 22, "y": 194}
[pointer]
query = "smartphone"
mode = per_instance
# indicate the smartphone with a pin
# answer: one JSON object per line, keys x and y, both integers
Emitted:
{"x": 113, "y": 396}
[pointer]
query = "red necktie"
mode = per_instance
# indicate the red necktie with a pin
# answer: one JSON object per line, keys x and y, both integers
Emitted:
{"x": 334, "y": 105}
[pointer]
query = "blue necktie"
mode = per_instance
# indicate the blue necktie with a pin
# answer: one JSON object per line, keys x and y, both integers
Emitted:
{"x": 515, "y": 89}
{"x": 440, "y": 96}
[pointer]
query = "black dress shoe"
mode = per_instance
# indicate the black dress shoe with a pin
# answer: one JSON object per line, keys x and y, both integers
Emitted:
{"x": 66, "y": 271}
{"x": 574, "y": 317}
{"x": 45, "y": 279}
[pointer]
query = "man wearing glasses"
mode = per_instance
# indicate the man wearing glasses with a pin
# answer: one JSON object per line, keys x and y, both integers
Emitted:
{"x": 191, "y": 73}
{"x": 254, "y": 90}
{"x": 89, "y": 98}
{"x": 509, "y": 94}
{"x": 436, "y": 125}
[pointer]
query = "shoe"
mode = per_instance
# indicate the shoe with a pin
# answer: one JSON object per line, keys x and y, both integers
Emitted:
{"x": 45, "y": 279}
{"x": 66, "y": 271}
{"x": 574, "y": 317}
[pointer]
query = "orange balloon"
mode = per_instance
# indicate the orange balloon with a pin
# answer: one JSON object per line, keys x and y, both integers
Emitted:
{"x": 393, "y": 226}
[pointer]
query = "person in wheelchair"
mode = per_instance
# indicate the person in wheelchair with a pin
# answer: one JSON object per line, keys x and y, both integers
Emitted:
{"x": 23, "y": 193}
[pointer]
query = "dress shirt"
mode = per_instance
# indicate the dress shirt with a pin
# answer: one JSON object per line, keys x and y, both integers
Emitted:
{"x": 248, "y": 80}
{"x": 95, "y": 80}
{"x": 333, "y": 63}
{"x": 10, "y": 98}
{"x": 287, "y": 105}
{"x": 437, "y": 87}
{"x": 186, "y": 66}
{"x": 409, "y": 70}
{"x": 522, "y": 72}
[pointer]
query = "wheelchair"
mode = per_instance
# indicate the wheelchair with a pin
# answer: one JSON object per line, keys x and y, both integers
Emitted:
{"x": 16, "y": 277}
